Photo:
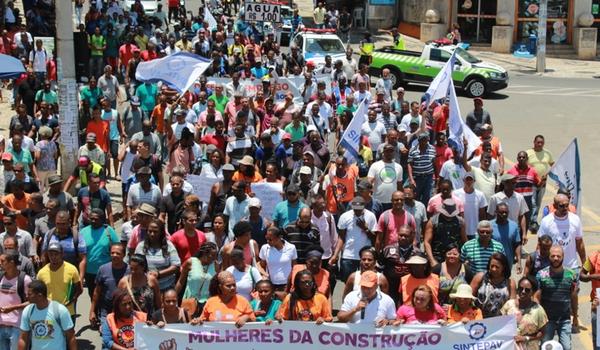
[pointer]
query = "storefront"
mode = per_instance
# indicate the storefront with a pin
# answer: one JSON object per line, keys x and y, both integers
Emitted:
{"x": 596, "y": 13}
{"x": 476, "y": 19}
{"x": 560, "y": 20}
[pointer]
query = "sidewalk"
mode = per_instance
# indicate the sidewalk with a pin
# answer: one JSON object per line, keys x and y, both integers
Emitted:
{"x": 555, "y": 67}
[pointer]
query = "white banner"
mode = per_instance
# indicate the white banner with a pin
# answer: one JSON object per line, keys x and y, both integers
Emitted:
{"x": 492, "y": 333}
{"x": 202, "y": 185}
{"x": 258, "y": 12}
{"x": 250, "y": 86}
{"x": 352, "y": 135}
{"x": 567, "y": 173}
{"x": 269, "y": 194}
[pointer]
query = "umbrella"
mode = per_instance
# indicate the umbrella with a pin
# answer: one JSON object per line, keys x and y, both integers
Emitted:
{"x": 10, "y": 67}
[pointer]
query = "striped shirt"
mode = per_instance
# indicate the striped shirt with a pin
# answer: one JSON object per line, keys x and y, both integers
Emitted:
{"x": 527, "y": 180}
{"x": 556, "y": 292}
{"x": 422, "y": 161}
{"x": 478, "y": 255}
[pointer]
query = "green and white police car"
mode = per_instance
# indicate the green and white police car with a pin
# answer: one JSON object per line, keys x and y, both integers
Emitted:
{"x": 476, "y": 77}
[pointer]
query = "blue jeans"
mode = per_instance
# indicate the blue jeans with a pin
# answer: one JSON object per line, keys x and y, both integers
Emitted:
{"x": 424, "y": 185}
{"x": 562, "y": 328}
{"x": 594, "y": 330}
{"x": 347, "y": 266}
{"x": 9, "y": 337}
{"x": 536, "y": 205}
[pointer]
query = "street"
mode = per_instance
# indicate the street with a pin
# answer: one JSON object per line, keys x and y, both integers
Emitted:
{"x": 559, "y": 109}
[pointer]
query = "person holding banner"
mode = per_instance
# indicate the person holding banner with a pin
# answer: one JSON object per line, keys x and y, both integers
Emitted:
{"x": 265, "y": 307}
{"x": 225, "y": 304}
{"x": 305, "y": 303}
{"x": 118, "y": 329}
{"x": 422, "y": 308}
{"x": 170, "y": 312}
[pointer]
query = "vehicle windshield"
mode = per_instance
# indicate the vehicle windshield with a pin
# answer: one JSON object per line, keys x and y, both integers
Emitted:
{"x": 467, "y": 56}
{"x": 325, "y": 46}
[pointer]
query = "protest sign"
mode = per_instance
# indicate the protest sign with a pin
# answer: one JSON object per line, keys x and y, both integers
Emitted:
{"x": 250, "y": 86}
{"x": 259, "y": 12}
{"x": 269, "y": 194}
{"x": 202, "y": 185}
{"x": 491, "y": 333}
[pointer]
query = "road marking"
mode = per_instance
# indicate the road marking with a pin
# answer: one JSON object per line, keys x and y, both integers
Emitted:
{"x": 585, "y": 337}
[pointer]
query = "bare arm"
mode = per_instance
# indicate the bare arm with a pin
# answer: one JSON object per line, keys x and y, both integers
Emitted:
{"x": 71, "y": 341}
{"x": 349, "y": 286}
{"x": 182, "y": 281}
{"x": 580, "y": 249}
{"x": 427, "y": 238}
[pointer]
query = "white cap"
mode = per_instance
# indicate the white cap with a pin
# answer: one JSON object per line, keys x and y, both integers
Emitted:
{"x": 254, "y": 202}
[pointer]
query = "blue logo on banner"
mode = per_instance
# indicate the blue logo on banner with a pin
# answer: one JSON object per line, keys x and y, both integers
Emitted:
{"x": 477, "y": 331}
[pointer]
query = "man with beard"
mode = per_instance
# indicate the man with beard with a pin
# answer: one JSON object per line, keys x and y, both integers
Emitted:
{"x": 517, "y": 207}
{"x": 394, "y": 257}
{"x": 556, "y": 284}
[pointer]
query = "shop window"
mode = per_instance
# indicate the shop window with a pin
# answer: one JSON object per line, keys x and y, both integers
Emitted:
{"x": 558, "y": 23}
{"x": 476, "y": 19}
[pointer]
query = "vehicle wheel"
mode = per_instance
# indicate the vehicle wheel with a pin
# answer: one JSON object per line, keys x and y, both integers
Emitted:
{"x": 397, "y": 77}
{"x": 476, "y": 88}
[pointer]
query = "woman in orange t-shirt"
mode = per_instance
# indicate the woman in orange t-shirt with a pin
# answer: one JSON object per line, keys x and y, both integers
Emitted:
{"x": 225, "y": 304}
{"x": 118, "y": 330}
{"x": 305, "y": 303}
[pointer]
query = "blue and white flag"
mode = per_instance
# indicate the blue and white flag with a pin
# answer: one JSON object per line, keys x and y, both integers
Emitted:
{"x": 438, "y": 89}
{"x": 458, "y": 128}
{"x": 352, "y": 135}
{"x": 179, "y": 70}
{"x": 208, "y": 17}
{"x": 567, "y": 173}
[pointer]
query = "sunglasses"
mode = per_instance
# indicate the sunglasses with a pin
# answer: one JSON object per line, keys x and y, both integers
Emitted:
{"x": 307, "y": 283}
{"x": 523, "y": 290}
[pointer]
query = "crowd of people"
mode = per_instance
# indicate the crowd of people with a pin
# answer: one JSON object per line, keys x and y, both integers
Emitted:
{"x": 413, "y": 229}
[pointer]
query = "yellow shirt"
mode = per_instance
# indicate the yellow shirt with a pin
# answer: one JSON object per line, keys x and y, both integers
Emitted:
{"x": 60, "y": 283}
{"x": 540, "y": 161}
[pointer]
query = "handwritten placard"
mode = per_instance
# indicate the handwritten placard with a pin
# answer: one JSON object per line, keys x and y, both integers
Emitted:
{"x": 202, "y": 185}
{"x": 269, "y": 194}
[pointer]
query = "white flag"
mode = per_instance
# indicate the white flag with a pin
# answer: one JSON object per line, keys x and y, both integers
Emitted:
{"x": 438, "y": 88}
{"x": 208, "y": 17}
{"x": 458, "y": 128}
{"x": 352, "y": 135}
{"x": 179, "y": 70}
{"x": 567, "y": 173}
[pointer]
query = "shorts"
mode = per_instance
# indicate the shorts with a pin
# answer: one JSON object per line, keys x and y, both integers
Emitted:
{"x": 114, "y": 149}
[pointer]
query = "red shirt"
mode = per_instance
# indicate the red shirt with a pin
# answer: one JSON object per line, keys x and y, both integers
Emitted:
{"x": 126, "y": 53}
{"x": 101, "y": 129}
{"x": 187, "y": 246}
{"x": 213, "y": 139}
{"x": 442, "y": 154}
{"x": 149, "y": 55}
{"x": 527, "y": 179}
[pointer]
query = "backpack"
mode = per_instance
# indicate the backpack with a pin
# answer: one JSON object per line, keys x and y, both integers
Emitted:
{"x": 34, "y": 53}
{"x": 54, "y": 305}
{"x": 20, "y": 285}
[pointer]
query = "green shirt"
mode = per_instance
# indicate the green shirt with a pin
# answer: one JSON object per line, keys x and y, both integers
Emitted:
{"x": 296, "y": 133}
{"x": 478, "y": 255}
{"x": 556, "y": 292}
{"x": 147, "y": 94}
{"x": 220, "y": 103}
{"x": 343, "y": 108}
{"x": 50, "y": 97}
{"x": 91, "y": 95}
{"x": 97, "y": 242}
{"x": 97, "y": 42}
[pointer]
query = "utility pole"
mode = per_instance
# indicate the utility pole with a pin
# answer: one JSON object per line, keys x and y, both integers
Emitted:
{"x": 67, "y": 87}
{"x": 541, "y": 40}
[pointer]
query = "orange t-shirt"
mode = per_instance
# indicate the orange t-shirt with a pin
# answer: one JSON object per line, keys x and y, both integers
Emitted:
{"x": 158, "y": 117}
{"x": 322, "y": 279}
{"x": 472, "y": 314}
{"x": 101, "y": 129}
{"x": 344, "y": 189}
{"x": 237, "y": 176}
{"x": 17, "y": 204}
{"x": 307, "y": 310}
{"x": 408, "y": 284}
{"x": 216, "y": 310}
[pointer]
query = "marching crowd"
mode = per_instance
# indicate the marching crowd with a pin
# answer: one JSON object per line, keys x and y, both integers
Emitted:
{"x": 413, "y": 229}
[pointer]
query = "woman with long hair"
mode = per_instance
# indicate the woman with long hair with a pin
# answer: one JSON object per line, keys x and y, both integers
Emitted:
{"x": 494, "y": 287}
{"x": 531, "y": 317}
{"x": 422, "y": 308}
{"x": 277, "y": 258}
{"x": 161, "y": 254}
{"x": 368, "y": 262}
{"x": 118, "y": 328}
{"x": 170, "y": 311}
{"x": 219, "y": 234}
{"x": 196, "y": 274}
{"x": 141, "y": 286}
{"x": 225, "y": 304}
{"x": 305, "y": 303}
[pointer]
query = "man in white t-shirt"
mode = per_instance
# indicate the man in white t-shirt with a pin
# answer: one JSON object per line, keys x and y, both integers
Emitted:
{"x": 374, "y": 130}
{"x": 517, "y": 208}
{"x": 38, "y": 59}
{"x": 368, "y": 305}
{"x": 386, "y": 177}
{"x": 453, "y": 169}
{"x": 474, "y": 202}
{"x": 355, "y": 230}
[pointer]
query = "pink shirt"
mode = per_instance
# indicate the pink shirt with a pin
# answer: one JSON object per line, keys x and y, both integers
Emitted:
{"x": 231, "y": 109}
{"x": 202, "y": 117}
{"x": 435, "y": 202}
{"x": 527, "y": 180}
{"x": 187, "y": 246}
{"x": 409, "y": 315}
{"x": 9, "y": 296}
{"x": 137, "y": 236}
{"x": 394, "y": 222}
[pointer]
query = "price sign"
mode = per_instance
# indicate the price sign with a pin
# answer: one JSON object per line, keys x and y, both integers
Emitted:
{"x": 258, "y": 12}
